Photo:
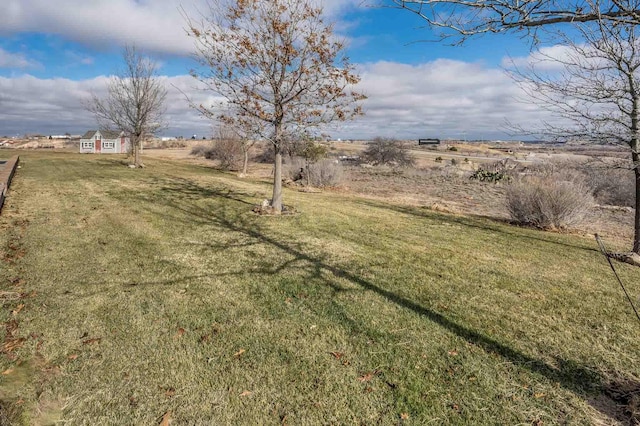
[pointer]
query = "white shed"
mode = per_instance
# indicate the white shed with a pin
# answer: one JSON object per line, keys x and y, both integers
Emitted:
{"x": 104, "y": 142}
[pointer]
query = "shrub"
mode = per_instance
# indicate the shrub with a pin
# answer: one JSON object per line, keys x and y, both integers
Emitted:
{"x": 228, "y": 152}
{"x": 323, "y": 173}
{"x": 438, "y": 159}
{"x": 453, "y": 148}
{"x": 387, "y": 151}
{"x": 547, "y": 202}
{"x": 612, "y": 186}
{"x": 454, "y": 162}
{"x": 199, "y": 150}
{"x": 488, "y": 176}
{"x": 268, "y": 153}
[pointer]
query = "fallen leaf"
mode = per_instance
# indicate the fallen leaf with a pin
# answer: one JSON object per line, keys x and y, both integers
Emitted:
{"x": 404, "y": 416}
{"x": 453, "y": 352}
{"x": 538, "y": 395}
{"x": 166, "y": 419}
{"x": 73, "y": 357}
{"x": 169, "y": 392}
{"x": 13, "y": 344}
{"x": 17, "y": 310}
{"x": 245, "y": 393}
{"x": 337, "y": 355}
{"x": 239, "y": 353}
{"x": 92, "y": 341}
{"x": 180, "y": 332}
{"x": 7, "y": 372}
{"x": 367, "y": 376}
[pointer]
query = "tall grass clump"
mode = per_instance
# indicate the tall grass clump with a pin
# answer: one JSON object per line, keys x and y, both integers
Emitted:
{"x": 548, "y": 202}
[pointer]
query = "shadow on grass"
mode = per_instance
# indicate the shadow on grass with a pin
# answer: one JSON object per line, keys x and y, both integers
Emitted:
{"x": 177, "y": 194}
{"x": 479, "y": 222}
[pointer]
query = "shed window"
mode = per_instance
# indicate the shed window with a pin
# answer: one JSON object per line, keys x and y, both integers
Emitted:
{"x": 108, "y": 145}
{"x": 87, "y": 145}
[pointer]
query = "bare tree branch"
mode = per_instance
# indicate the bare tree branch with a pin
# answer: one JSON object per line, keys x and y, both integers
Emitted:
{"x": 593, "y": 84}
{"x": 135, "y": 100}
{"x": 465, "y": 18}
{"x": 279, "y": 68}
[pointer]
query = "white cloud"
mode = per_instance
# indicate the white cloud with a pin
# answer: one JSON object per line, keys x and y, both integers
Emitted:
{"x": 33, "y": 105}
{"x": 157, "y": 25}
{"x": 442, "y": 98}
{"x": 16, "y": 61}
{"x": 547, "y": 59}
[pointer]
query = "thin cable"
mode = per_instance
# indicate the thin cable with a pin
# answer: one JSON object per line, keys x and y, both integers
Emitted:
{"x": 606, "y": 254}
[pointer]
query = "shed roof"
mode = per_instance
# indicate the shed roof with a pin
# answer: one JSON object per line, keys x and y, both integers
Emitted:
{"x": 107, "y": 134}
{"x": 89, "y": 134}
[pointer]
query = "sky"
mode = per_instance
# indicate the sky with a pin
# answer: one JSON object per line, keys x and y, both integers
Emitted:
{"x": 54, "y": 55}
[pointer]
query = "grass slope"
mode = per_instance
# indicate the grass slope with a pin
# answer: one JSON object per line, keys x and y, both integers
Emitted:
{"x": 129, "y": 295}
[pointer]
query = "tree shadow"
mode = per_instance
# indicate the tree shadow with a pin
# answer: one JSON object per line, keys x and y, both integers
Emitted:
{"x": 583, "y": 380}
{"x": 479, "y": 222}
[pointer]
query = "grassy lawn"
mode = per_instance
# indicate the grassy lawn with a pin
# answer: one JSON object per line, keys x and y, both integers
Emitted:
{"x": 133, "y": 295}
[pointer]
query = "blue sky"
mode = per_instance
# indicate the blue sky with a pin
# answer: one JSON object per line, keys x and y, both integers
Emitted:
{"x": 421, "y": 88}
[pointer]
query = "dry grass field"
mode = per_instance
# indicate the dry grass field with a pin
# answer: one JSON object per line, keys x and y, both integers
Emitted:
{"x": 133, "y": 296}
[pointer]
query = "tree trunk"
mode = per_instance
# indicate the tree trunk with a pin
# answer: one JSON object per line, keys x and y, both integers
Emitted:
{"x": 636, "y": 223}
{"x": 276, "y": 200}
{"x": 136, "y": 153}
{"x": 245, "y": 164}
{"x": 635, "y": 157}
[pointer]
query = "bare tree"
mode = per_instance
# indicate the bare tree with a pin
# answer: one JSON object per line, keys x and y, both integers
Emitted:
{"x": 279, "y": 68}
{"x": 135, "y": 100}
{"x": 594, "y": 85}
{"x": 243, "y": 136}
{"x": 465, "y": 18}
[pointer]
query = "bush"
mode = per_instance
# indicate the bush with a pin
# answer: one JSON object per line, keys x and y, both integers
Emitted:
{"x": 438, "y": 159}
{"x": 547, "y": 202}
{"x": 228, "y": 152}
{"x": 612, "y": 186}
{"x": 487, "y": 176}
{"x": 387, "y": 151}
{"x": 323, "y": 173}
{"x": 199, "y": 150}
{"x": 453, "y": 148}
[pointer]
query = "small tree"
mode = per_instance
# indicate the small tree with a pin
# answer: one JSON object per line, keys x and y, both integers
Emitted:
{"x": 135, "y": 100}
{"x": 279, "y": 68}
{"x": 312, "y": 153}
{"x": 388, "y": 151}
{"x": 597, "y": 92}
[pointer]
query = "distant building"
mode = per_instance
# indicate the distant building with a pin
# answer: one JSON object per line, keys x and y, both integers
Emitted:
{"x": 429, "y": 141}
{"x": 104, "y": 142}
